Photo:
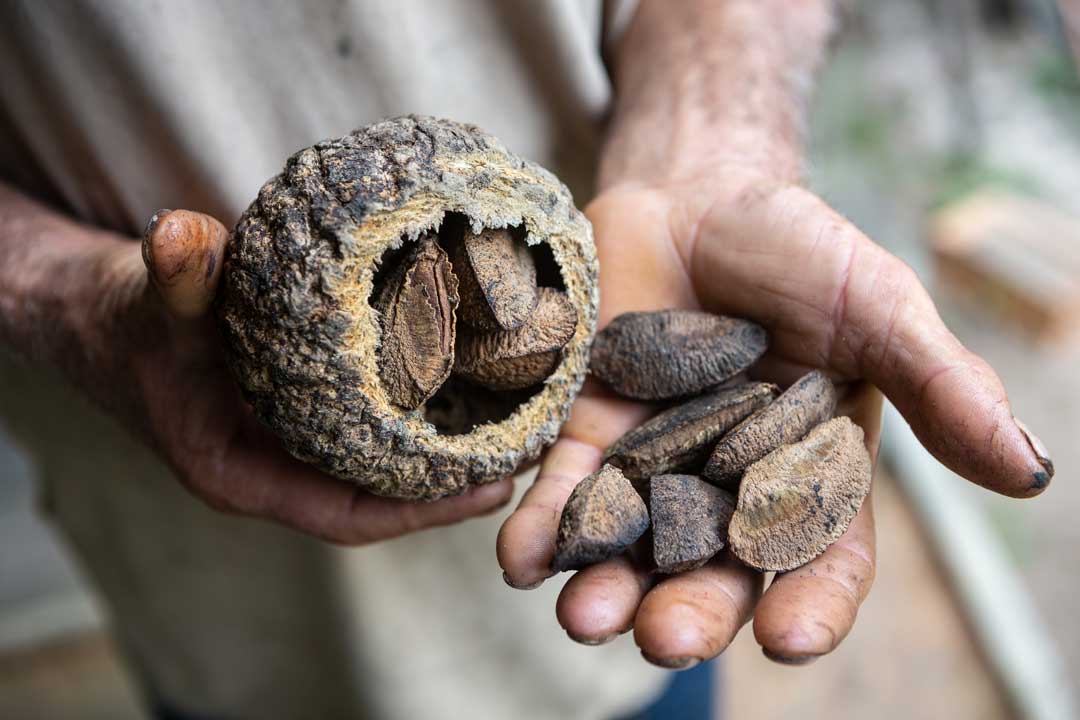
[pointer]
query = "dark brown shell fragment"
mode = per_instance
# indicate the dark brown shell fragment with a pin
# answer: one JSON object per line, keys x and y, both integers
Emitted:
{"x": 603, "y": 516}
{"x": 680, "y": 439}
{"x": 799, "y": 499}
{"x": 298, "y": 289}
{"x": 689, "y": 521}
{"x": 673, "y": 353}
{"x": 514, "y": 359}
{"x": 417, "y": 307}
{"x": 807, "y": 403}
{"x": 498, "y": 279}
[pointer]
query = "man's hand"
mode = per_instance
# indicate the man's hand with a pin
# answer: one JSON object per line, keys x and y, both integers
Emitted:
{"x": 701, "y": 208}
{"x": 149, "y": 353}
{"x": 830, "y": 299}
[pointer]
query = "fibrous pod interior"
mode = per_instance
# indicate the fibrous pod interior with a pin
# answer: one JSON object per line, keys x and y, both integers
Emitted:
{"x": 603, "y": 516}
{"x": 339, "y": 306}
{"x": 680, "y": 439}
{"x": 807, "y": 403}
{"x": 673, "y": 353}
{"x": 689, "y": 521}
{"x": 800, "y": 498}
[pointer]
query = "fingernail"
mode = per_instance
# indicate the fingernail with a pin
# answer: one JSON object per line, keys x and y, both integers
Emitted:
{"x": 531, "y": 586}
{"x": 679, "y": 662}
{"x": 602, "y": 640}
{"x": 1041, "y": 477}
{"x": 789, "y": 659}
{"x": 152, "y": 223}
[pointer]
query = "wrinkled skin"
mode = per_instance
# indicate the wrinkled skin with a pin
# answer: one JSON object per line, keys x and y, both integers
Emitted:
{"x": 830, "y": 298}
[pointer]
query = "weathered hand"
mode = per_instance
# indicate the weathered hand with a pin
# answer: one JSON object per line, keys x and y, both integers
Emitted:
{"x": 830, "y": 298}
{"x": 179, "y": 394}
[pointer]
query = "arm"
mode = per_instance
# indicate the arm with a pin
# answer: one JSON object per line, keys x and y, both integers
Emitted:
{"x": 80, "y": 299}
{"x": 699, "y": 206}
{"x": 706, "y": 84}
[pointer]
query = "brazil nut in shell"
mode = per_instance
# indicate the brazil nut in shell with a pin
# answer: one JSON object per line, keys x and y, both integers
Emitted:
{"x": 668, "y": 354}
{"x": 303, "y": 305}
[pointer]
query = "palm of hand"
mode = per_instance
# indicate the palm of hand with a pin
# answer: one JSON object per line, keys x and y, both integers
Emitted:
{"x": 830, "y": 299}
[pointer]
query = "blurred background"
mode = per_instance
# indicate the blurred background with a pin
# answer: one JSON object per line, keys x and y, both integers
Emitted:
{"x": 948, "y": 130}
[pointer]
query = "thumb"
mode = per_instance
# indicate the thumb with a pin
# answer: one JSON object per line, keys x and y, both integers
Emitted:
{"x": 832, "y": 298}
{"x": 183, "y": 252}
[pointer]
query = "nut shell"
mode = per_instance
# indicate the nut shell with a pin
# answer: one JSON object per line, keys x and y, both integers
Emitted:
{"x": 800, "y": 499}
{"x": 302, "y": 338}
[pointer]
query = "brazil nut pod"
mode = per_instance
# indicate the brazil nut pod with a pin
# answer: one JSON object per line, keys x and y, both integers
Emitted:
{"x": 339, "y": 302}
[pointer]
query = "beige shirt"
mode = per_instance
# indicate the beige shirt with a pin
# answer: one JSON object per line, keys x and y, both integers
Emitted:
{"x": 114, "y": 108}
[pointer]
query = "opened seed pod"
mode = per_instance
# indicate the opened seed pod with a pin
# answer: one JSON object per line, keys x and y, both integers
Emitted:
{"x": 339, "y": 306}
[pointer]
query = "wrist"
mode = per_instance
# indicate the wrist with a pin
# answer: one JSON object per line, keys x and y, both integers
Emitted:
{"x": 714, "y": 84}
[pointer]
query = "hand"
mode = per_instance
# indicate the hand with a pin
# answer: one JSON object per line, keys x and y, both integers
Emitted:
{"x": 830, "y": 298}
{"x": 159, "y": 366}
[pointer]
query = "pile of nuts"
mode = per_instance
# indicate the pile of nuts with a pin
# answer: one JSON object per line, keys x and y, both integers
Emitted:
{"x": 511, "y": 333}
{"x": 771, "y": 473}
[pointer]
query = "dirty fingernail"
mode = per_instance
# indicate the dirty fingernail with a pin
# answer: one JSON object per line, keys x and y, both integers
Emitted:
{"x": 530, "y": 586}
{"x": 789, "y": 659}
{"x": 679, "y": 662}
{"x": 1042, "y": 478}
{"x": 602, "y": 640}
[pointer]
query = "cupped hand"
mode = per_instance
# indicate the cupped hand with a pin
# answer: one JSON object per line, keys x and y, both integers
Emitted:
{"x": 179, "y": 394}
{"x": 830, "y": 298}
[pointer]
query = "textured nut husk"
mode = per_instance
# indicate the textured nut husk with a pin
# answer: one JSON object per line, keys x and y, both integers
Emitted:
{"x": 417, "y": 309}
{"x": 515, "y": 359}
{"x": 680, "y": 439}
{"x": 673, "y": 353}
{"x": 603, "y": 516}
{"x": 302, "y": 338}
{"x": 810, "y": 401}
{"x": 498, "y": 280}
{"x": 800, "y": 498}
{"x": 689, "y": 521}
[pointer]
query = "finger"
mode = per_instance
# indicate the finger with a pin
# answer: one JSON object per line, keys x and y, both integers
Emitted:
{"x": 183, "y": 251}
{"x": 832, "y": 298}
{"x": 599, "y": 603}
{"x": 807, "y": 612}
{"x": 526, "y": 542}
{"x": 694, "y": 616}
{"x": 260, "y": 480}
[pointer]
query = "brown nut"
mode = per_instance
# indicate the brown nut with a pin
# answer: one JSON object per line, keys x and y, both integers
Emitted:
{"x": 515, "y": 359}
{"x": 603, "y": 516}
{"x": 799, "y": 499}
{"x": 498, "y": 279}
{"x": 810, "y": 401}
{"x": 680, "y": 439}
{"x": 689, "y": 521}
{"x": 417, "y": 307}
{"x": 673, "y": 353}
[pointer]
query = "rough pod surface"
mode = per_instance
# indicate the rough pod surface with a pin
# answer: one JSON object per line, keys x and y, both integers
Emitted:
{"x": 799, "y": 499}
{"x": 302, "y": 336}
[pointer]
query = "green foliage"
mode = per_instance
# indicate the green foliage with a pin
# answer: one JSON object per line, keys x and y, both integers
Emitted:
{"x": 961, "y": 173}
